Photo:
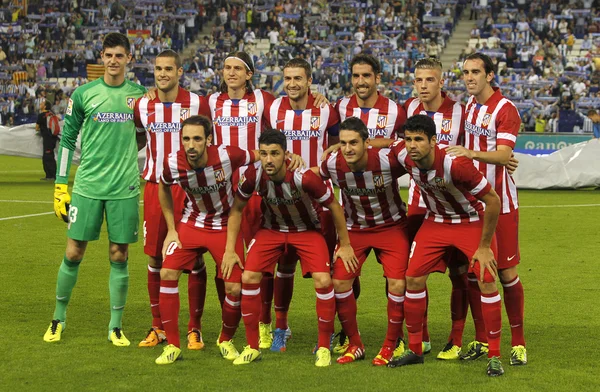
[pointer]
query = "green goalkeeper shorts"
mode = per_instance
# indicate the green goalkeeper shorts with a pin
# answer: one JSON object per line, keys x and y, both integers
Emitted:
{"x": 86, "y": 216}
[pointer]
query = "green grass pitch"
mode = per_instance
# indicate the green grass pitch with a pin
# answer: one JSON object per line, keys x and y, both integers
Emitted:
{"x": 559, "y": 245}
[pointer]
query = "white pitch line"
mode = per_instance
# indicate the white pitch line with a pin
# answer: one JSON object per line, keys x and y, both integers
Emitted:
{"x": 20, "y": 171}
{"x": 26, "y": 216}
{"x": 26, "y": 201}
{"x": 563, "y": 206}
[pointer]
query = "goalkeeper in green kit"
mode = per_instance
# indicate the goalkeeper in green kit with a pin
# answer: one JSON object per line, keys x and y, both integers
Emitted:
{"x": 106, "y": 183}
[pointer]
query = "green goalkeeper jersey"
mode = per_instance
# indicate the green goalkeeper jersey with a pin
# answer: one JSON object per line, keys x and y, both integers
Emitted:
{"x": 108, "y": 168}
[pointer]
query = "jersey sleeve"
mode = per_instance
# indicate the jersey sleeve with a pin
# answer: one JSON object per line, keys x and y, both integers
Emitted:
{"x": 396, "y": 168}
{"x": 247, "y": 184}
{"x": 74, "y": 119}
{"x": 508, "y": 123}
{"x": 333, "y": 125}
{"x": 316, "y": 188}
{"x": 239, "y": 157}
{"x": 137, "y": 118}
{"x": 466, "y": 175}
{"x": 324, "y": 169}
{"x": 167, "y": 176}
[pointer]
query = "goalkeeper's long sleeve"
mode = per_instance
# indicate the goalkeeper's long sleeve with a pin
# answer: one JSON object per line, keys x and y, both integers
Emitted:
{"x": 74, "y": 119}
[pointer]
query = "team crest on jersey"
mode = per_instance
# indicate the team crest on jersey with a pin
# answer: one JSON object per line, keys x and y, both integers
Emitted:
{"x": 130, "y": 101}
{"x": 184, "y": 114}
{"x": 69, "y": 107}
{"x": 446, "y": 125}
{"x": 381, "y": 121}
{"x": 486, "y": 120}
{"x": 252, "y": 108}
{"x": 315, "y": 122}
{"x": 242, "y": 180}
{"x": 220, "y": 175}
{"x": 438, "y": 181}
{"x": 378, "y": 181}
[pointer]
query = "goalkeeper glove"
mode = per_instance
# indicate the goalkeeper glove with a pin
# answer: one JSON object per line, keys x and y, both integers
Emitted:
{"x": 61, "y": 201}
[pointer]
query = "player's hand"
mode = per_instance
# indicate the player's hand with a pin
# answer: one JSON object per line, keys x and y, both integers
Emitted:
{"x": 346, "y": 254}
{"x": 459, "y": 151}
{"x": 62, "y": 201}
{"x": 320, "y": 100}
{"x": 230, "y": 259}
{"x": 151, "y": 93}
{"x": 296, "y": 161}
{"x": 486, "y": 260}
{"x": 513, "y": 164}
{"x": 330, "y": 149}
{"x": 171, "y": 243}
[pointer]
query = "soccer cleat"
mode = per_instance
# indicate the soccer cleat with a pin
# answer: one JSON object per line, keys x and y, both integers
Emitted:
{"x": 323, "y": 357}
{"x": 154, "y": 337}
{"x": 407, "y": 358}
{"x": 399, "y": 350}
{"x": 117, "y": 338}
{"x": 384, "y": 357}
{"x": 494, "y": 367}
{"x": 170, "y": 354}
{"x": 194, "y": 338}
{"x": 54, "y": 331}
{"x": 475, "y": 350}
{"x": 265, "y": 335}
{"x": 342, "y": 346}
{"x": 426, "y": 347}
{"x": 316, "y": 348}
{"x": 228, "y": 350}
{"x": 518, "y": 356}
{"x": 248, "y": 355}
{"x": 280, "y": 337}
{"x": 353, "y": 353}
{"x": 449, "y": 352}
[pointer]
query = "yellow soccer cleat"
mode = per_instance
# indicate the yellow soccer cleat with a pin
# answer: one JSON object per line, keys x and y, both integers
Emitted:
{"x": 399, "y": 350}
{"x": 342, "y": 346}
{"x": 155, "y": 336}
{"x": 228, "y": 350}
{"x": 265, "y": 335}
{"x": 323, "y": 357}
{"x": 194, "y": 338}
{"x": 450, "y": 352}
{"x": 117, "y": 338}
{"x": 54, "y": 331}
{"x": 170, "y": 354}
{"x": 518, "y": 356}
{"x": 248, "y": 355}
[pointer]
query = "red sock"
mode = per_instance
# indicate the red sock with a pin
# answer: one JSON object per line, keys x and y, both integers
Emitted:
{"x": 426, "y": 337}
{"x": 475, "y": 304}
{"x": 325, "y": 314}
{"x": 251, "y": 312}
{"x": 154, "y": 293}
{"x": 220, "y": 285}
{"x": 346, "y": 308}
{"x": 196, "y": 297}
{"x": 459, "y": 306}
{"x": 395, "y": 313}
{"x": 514, "y": 302}
{"x": 415, "y": 305}
{"x": 266, "y": 293}
{"x": 491, "y": 306}
{"x": 283, "y": 290}
{"x": 231, "y": 315}
{"x": 169, "y": 309}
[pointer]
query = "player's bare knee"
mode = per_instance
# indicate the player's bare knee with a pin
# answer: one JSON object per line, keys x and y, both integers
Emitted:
{"x": 416, "y": 282}
{"x": 169, "y": 274}
{"x": 233, "y": 289}
{"x": 251, "y": 277}
{"x": 322, "y": 280}
{"x": 155, "y": 262}
{"x": 341, "y": 286}
{"x": 118, "y": 252}
{"x": 75, "y": 249}
{"x": 487, "y": 287}
{"x": 508, "y": 274}
{"x": 396, "y": 286}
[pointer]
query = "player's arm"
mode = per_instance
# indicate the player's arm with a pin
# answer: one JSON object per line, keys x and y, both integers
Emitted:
{"x": 344, "y": 251}
{"x": 140, "y": 131}
{"x": 230, "y": 257}
{"x": 165, "y": 198}
{"x": 484, "y": 253}
{"x": 501, "y": 157}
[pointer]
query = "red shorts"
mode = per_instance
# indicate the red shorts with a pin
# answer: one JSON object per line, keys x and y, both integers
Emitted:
{"x": 391, "y": 247}
{"x": 267, "y": 247}
{"x": 507, "y": 234}
{"x": 251, "y": 217}
{"x": 434, "y": 239}
{"x": 195, "y": 242}
{"x": 155, "y": 227}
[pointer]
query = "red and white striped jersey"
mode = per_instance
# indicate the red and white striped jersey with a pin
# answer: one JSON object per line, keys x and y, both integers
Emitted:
{"x": 488, "y": 126}
{"x": 449, "y": 122}
{"x": 289, "y": 206}
{"x": 370, "y": 198}
{"x": 384, "y": 119}
{"x": 451, "y": 187}
{"x": 239, "y": 122}
{"x": 306, "y": 130}
{"x": 209, "y": 190}
{"x": 162, "y": 123}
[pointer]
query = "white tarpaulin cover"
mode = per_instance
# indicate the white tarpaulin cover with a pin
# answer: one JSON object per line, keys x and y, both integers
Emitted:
{"x": 575, "y": 166}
